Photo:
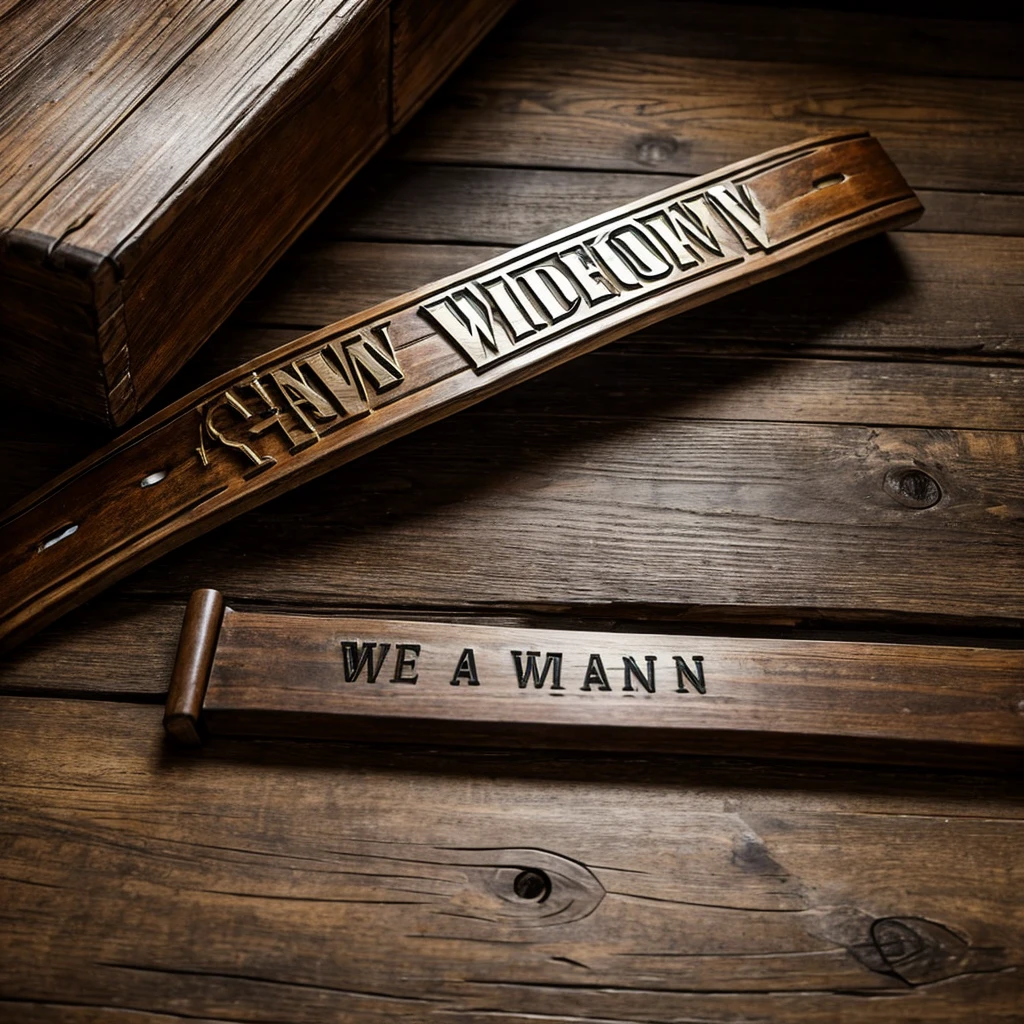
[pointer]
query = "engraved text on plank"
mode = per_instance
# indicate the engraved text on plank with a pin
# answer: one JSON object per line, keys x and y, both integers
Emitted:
{"x": 566, "y": 285}
{"x": 318, "y": 391}
{"x": 548, "y": 671}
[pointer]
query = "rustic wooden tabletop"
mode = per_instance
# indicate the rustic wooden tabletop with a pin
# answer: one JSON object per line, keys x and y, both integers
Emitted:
{"x": 721, "y": 473}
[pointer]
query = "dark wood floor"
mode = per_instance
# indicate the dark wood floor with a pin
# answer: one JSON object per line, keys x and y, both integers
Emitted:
{"x": 723, "y": 470}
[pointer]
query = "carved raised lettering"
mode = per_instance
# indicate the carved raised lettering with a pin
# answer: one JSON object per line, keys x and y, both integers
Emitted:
{"x": 543, "y": 295}
{"x": 208, "y": 426}
{"x": 318, "y": 391}
{"x": 552, "y": 291}
{"x": 640, "y": 253}
{"x": 465, "y": 318}
{"x": 371, "y": 356}
{"x": 739, "y": 211}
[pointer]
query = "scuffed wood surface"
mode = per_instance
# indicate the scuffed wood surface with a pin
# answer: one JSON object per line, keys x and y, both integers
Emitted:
{"x": 720, "y": 473}
{"x": 315, "y": 882}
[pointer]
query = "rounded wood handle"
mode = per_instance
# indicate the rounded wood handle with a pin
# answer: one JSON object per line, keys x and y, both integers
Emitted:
{"x": 330, "y": 396}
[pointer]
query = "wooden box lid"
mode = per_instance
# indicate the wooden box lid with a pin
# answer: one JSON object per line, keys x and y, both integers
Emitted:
{"x": 155, "y": 159}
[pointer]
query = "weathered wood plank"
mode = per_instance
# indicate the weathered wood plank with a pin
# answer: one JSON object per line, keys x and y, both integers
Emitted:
{"x": 925, "y": 43}
{"x": 518, "y": 103}
{"x": 310, "y": 676}
{"x": 54, "y": 137}
{"x": 417, "y": 359}
{"x": 185, "y": 901}
{"x": 715, "y": 381}
{"x": 923, "y": 292}
{"x": 406, "y": 202}
{"x": 663, "y": 517}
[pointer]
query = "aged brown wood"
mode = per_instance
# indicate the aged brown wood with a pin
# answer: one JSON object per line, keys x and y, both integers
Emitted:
{"x": 156, "y": 160}
{"x": 197, "y": 646}
{"x": 322, "y": 677}
{"x": 422, "y": 356}
{"x": 927, "y": 293}
{"x": 611, "y": 495}
{"x": 526, "y": 103}
{"x": 406, "y": 202}
{"x": 318, "y": 882}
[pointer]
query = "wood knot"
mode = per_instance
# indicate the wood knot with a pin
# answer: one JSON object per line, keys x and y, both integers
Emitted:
{"x": 912, "y": 487}
{"x": 910, "y": 950}
{"x": 655, "y": 149}
{"x": 525, "y": 887}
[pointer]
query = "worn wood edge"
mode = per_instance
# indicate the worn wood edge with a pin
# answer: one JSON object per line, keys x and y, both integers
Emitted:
{"x": 197, "y": 647}
{"x": 103, "y": 273}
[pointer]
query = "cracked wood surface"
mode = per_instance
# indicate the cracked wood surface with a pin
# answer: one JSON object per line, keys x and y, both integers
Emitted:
{"x": 723, "y": 472}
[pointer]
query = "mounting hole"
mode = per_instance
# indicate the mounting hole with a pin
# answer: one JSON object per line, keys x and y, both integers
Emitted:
{"x": 56, "y": 538}
{"x": 153, "y": 478}
{"x": 912, "y": 487}
{"x": 532, "y": 884}
{"x": 829, "y": 179}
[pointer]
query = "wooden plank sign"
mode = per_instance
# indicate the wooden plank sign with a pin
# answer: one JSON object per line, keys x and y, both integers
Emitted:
{"x": 156, "y": 159}
{"x": 258, "y": 673}
{"x": 321, "y": 400}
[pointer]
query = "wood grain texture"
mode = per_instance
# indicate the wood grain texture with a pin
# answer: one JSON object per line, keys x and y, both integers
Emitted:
{"x": 723, "y": 456}
{"x": 663, "y": 518}
{"x": 427, "y": 354}
{"x": 310, "y": 676}
{"x": 428, "y": 45}
{"x": 479, "y": 205}
{"x": 218, "y": 131}
{"x": 957, "y": 295}
{"x": 528, "y": 104}
{"x": 891, "y": 40}
{"x": 286, "y": 881}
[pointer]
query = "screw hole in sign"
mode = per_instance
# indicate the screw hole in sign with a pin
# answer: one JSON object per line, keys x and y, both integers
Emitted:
{"x": 56, "y": 538}
{"x": 829, "y": 179}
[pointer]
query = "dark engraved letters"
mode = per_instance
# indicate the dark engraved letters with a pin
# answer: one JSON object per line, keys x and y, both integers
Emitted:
{"x": 355, "y": 657}
{"x": 694, "y": 677}
{"x": 632, "y": 671}
{"x": 526, "y": 675}
{"x": 405, "y": 660}
{"x": 596, "y": 675}
{"x": 466, "y": 669}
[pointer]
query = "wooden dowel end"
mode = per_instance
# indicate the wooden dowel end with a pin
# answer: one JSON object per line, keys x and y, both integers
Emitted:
{"x": 197, "y": 646}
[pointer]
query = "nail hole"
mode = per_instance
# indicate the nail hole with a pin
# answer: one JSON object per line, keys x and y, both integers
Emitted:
{"x": 912, "y": 487}
{"x": 532, "y": 884}
{"x": 56, "y": 538}
{"x": 829, "y": 179}
{"x": 153, "y": 478}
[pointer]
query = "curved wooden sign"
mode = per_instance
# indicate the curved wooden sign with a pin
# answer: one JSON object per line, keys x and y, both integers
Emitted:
{"x": 330, "y": 396}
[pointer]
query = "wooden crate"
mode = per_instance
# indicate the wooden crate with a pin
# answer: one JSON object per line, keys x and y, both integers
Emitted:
{"x": 155, "y": 160}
